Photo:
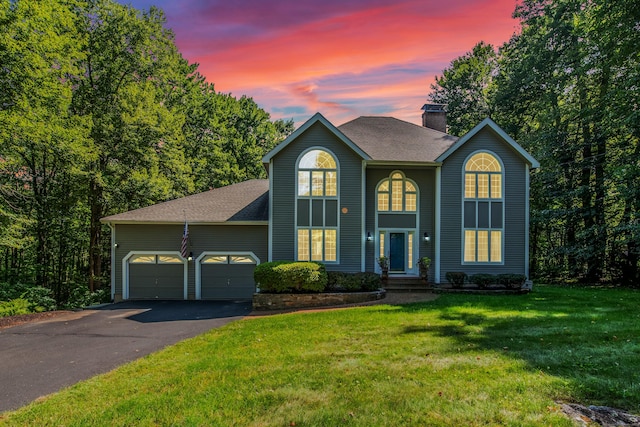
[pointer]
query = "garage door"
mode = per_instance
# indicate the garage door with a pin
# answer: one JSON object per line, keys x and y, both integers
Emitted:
{"x": 227, "y": 276}
{"x": 156, "y": 277}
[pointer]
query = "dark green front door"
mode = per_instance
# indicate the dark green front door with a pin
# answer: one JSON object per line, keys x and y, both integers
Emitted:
{"x": 396, "y": 252}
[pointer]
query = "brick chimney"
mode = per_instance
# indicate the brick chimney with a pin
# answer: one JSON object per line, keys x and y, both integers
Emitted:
{"x": 434, "y": 117}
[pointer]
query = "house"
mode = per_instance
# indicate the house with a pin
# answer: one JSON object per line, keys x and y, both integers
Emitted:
{"x": 345, "y": 196}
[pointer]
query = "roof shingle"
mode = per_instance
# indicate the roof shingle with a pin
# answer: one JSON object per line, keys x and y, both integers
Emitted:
{"x": 246, "y": 201}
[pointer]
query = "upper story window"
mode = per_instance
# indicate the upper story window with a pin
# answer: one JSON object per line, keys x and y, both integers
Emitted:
{"x": 483, "y": 220}
{"x": 317, "y": 207}
{"x": 397, "y": 194}
{"x": 317, "y": 174}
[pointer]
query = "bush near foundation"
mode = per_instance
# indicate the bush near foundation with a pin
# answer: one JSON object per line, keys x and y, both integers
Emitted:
{"x": 290, "y": 277}
{"x": 352, "y": 282}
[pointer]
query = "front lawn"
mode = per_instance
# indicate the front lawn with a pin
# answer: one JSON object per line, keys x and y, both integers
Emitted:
{"x": 459, "y": 360}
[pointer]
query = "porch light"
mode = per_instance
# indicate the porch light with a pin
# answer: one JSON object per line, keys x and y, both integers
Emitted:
{"x": 190, "y": 257}
{"x": 369, "y": 236}
{"x": 426, "y": 237}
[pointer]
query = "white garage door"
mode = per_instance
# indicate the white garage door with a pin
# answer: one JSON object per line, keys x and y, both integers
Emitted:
{"x": 226, "y": 276}
{"x": 156, "y": 277}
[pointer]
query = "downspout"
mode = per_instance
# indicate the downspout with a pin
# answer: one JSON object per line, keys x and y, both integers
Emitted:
{"x": 113, "y": 260}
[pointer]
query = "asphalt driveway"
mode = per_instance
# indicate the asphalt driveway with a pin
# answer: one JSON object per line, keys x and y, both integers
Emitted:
{"x": 43, "y": 357}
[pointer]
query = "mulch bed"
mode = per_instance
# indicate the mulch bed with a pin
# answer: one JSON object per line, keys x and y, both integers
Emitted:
{"x": 7, "y": 322}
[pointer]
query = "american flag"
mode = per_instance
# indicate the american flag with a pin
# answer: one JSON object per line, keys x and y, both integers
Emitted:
{"x": 185, "y": 238}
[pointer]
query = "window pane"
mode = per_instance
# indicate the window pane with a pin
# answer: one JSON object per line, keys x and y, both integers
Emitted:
{"x": 483, "y": 246}
{"x": 331, "y": 184}
{"x": 483, "y": 214}
{"x": 303, "y": 245}
{"x": 470, "y": 186}
{"x": 317, "y": 184}
{"x": 381, "y": 244}
{"x": 409, "y": 187}
{"x": 483, "y": 186}
{"x": 241, "y": 260}
{"x": 317, "y": 159}
{"x": 496, "y": 246}
{"x": 496, "y": 186}
{"x": 316, "y": 245}
{"x": 410, "y": 251}
{"x": 303, "y": 183}
{"x": 496, "y": 215}
{"x": 410, "y": 202}
{"x": 317, "y": 213}
{"x": 142, "y": 259}
{"x": 303, "y": 212}
{"x": 396, "y": 195}
{"x": 396, "y": 176}
{"x": 384, "y": 185}
{"x": 331, "y": 213}
{"x": 214, "y": 259}
{"x": 484, "y": 162}
{"x": 383, "y": 201}
{"x": 330, "y": 245}
{"x": 469, "y": 214}
{"x": 469, "y": 246}
{"x": 169, "y": 259}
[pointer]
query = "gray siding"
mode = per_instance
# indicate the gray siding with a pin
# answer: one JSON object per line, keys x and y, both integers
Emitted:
{"x": 283, "y": 193}
{"x": 158, "y": 237}
{"x": 425, "y": 180}
{"x": 515, "y": 214}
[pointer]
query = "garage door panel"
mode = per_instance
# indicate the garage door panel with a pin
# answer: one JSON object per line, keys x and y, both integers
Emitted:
{"x": 227, "y": 281}
{"x": 156, "y": 281}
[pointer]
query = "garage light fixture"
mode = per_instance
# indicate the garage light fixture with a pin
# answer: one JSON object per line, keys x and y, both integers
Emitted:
{"x": 190, "y": 257}
{"x": 426, "y": 237}
{"x": 369, "y": 236}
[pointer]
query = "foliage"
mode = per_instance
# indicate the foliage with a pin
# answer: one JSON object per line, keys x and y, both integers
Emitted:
{"x": 566, "y": 88}
{"x": 483, "y": 280}
{"x": 383, "y": 262}
{"x": 15, "y": 307}
{"x": 513, "y": 281}
{"x": 461, "y": 360}
{"x": 352, "y": 282}
{"x": 40, "y": 299}
{"x": 80, "y": 296}
{"x": 290, "y": 276}
{"x": 456, "y": 278}
{"x": 99, "y": 114}
{"x": 424, "y": 262}
{"x": 9, "y": 291}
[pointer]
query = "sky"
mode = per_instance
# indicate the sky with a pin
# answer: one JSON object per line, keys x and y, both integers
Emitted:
{"x": 342, "y": 58}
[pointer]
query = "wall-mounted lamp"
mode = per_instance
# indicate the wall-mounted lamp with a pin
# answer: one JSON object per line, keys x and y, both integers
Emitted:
{"x": 115, "y": 245}
{"x": 426, "y": 237}
{"x": 369, "y": 236}
{"x": 190, "y": 257}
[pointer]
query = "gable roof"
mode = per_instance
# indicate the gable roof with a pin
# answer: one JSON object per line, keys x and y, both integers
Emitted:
{"x": 244, "y": 202}
{"x": 390, "y": 139}
{"x": 317, "y": 117}
{"x": 501, "y": 133}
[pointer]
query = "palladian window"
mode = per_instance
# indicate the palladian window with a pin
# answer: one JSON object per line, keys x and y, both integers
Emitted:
{"x": 483, "y": 209}
{"x": 317, "y": 207}
{"x": 397, "y": 194}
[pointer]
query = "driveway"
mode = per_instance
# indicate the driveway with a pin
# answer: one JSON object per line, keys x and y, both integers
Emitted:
{"x": 40, "y": 358}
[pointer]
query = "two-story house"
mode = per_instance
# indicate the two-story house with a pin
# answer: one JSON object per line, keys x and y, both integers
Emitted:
{"x": 344, "y": 196}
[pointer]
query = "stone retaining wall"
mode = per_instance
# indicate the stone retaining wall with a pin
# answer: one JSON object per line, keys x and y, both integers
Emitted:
{"x": 284, "y": 301}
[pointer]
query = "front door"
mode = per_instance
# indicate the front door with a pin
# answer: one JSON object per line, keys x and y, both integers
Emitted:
{"x": 396, "y": 252}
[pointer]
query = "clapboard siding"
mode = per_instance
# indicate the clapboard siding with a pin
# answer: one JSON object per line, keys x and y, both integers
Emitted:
{"x": 158, "y": 237}
{"x": 425, "y": 180}
{"x": 515, "y": 192}
{"x": 283, "y": 197}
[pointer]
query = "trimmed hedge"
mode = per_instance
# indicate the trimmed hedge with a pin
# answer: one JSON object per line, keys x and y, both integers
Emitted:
{"x": 456, "y": 278}
{"x": 290, "y": 276}
{"x": 512, "y": 281}
{"x": 353, "y": 282}
{"x": 483, "y": 280}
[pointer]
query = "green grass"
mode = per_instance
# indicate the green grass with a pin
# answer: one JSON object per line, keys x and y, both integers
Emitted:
{"x": 459, "y": 360}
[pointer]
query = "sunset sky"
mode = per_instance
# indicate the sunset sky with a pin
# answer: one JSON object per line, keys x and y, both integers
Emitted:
{"x": 343, "y": 58}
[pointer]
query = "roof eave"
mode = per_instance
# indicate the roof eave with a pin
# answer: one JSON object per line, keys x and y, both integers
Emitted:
{"x": 534, "y": 164}
{"x": 150, "y": 222}
{"x": 396, "y": 163}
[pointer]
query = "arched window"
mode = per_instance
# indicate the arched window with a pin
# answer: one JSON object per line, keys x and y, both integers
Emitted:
{"x": 317, "y": 207}
{"x": 397, "y": 194}
{"x": 483, "y": 209}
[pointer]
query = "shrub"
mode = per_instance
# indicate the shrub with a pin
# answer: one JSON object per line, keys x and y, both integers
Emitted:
{"x": 14, "y": 307}
{"x": 512, "y": 281}
{"x": 352, "y": 282}
{"x": 40, "y": 299}
{"x": 289, "y": 276}
{"x": 11, "y": 291}
{"x": 79, "y": 296}
{"x": 456, "y": 278}
{"x": 483, "y": 280}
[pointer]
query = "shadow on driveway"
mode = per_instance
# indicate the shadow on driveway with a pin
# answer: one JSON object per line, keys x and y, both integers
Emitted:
{"x": 171, "y": 311}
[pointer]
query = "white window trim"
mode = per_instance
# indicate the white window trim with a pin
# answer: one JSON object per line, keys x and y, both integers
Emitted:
{"x": 125, "y": 269}
{"x": 502, "y": 200}
{"x": 198, "y": 263}
{"x": 311, "y": 197}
